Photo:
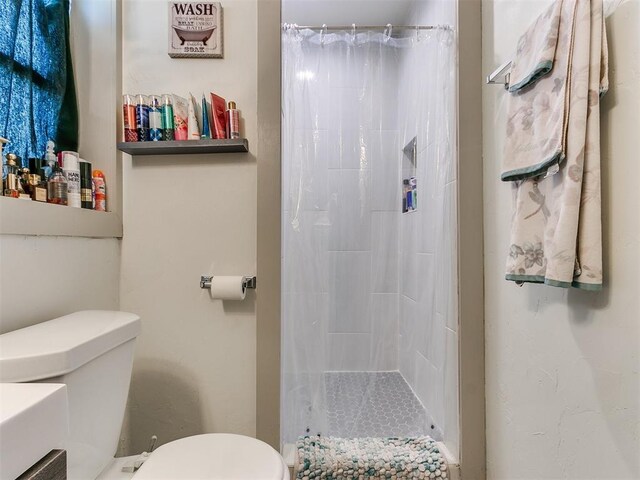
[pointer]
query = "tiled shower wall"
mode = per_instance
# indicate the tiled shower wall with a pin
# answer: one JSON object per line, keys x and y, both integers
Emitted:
{"x": 428, "y": 344}
{"x": 349, "y": 210}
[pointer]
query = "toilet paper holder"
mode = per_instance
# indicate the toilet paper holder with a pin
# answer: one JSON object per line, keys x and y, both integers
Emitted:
{"x": 247, "y": 282}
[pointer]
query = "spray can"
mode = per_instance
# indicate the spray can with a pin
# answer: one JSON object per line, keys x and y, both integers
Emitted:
{"x": 99, "y": 191}
{"x": 129, "y": 119}
{"x": 155, "y": 119}
{"x": 233, "y": 121}
{"x": 168, "y": 125}
{"x": 142, "y": 118}
{"x": 71, "y": 168}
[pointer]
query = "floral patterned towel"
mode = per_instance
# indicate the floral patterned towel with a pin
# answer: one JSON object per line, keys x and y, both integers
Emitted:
{"x": 552, "y": 152}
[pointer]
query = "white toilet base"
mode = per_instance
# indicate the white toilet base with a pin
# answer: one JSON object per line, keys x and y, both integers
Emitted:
{"x": 114, "y": 469}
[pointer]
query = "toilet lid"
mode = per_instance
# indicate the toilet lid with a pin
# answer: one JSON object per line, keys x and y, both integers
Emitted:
{"x": 213, "y": 456}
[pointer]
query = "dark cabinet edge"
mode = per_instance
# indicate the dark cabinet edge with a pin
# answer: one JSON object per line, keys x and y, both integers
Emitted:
{"x": 181, "y": 147}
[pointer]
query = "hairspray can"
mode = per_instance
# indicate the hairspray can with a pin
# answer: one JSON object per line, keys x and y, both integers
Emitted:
{"x": 233, "y": 121}
{"x": 155, "y": 119}
{"x": 71, "y": 168}
{"x": 129, "y": 119}
{"x": 168, "y": 126}
{"x": 99, "y": 191}
{"x": 142, "y": 118}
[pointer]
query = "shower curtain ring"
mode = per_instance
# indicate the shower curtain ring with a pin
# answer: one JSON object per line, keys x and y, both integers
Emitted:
{"x": 323, "y": 31}
{"x": 387, "y": 32}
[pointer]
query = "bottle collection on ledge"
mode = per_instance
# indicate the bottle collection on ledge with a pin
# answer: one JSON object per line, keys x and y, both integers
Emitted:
{"x": 62, "y": 179}
{"x": 156, "y": 118}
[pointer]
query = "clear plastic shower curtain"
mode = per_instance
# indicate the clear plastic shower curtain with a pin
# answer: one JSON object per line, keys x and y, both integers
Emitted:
{"x": 369, "y": 239}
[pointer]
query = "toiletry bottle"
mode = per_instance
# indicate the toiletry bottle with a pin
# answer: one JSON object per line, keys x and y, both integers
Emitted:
{"x": 129, "y": 119}
{"x": 86, "y": 190}
{"x": 142, "y": 118}
{"x": 38, "y": 187}
{"x": 4, "y": 165}
{"x": 11, "y": 181}
{"x": 57, "y": 187}
{"x": 24, "y": 189}
{"x": 49, "y": 160}
{"x": 233, "y": 121}
{"x": 168, "y": 126}
{"x": 206, "y": 129}
{"x": 100, "y": 191}
{"x": 71, "y": 168}
{"x": 155, "y": 119}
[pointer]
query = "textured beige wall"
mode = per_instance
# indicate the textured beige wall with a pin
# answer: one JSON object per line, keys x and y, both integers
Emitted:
{"x": 195, "y": 365}
{"x": 563, "y": 388}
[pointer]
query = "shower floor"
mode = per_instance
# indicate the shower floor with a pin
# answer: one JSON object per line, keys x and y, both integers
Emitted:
{"x": 372, "y": 404}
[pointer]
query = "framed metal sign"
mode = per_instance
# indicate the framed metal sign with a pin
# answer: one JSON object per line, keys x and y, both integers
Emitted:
{"x": 195, "y": 30}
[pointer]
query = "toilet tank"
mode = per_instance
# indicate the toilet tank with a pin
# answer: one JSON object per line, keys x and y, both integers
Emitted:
{"x": 92, "y": 353}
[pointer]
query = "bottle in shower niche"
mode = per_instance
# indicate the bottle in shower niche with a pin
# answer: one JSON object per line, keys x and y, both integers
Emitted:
{"x": 57, "y": 186}
{"x": 233, "y": 121}
{"x": 168, "y": 125}
{"x": 99, "y": 191}
{"x": 49, "y": 160}
{"x": 129, "y": 118}
{"x": 71, "y": 168}
{"x": 142, "y": 118}
{"x": 155, "y": 118}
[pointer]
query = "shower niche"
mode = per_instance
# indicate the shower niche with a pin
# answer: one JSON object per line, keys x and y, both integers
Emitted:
{"x": 410, "y": 176}
{"x": 369, "y": 302}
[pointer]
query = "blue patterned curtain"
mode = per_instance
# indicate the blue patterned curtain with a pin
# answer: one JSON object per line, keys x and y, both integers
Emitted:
{"x": 37, "y": 91}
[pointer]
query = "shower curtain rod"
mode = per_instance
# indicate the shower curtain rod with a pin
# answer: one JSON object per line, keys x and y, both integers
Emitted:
{"x": 369, "y": 27}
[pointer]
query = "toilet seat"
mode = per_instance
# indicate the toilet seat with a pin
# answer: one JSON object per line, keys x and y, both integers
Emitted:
{"x": 214, "y": 456}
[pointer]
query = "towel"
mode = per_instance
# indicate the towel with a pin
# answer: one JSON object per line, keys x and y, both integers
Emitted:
{"x": 342, "y": 458}
{"x": 552, "y": 151}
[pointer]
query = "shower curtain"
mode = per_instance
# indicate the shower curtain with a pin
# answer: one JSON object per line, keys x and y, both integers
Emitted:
{"x": 368, "y": 133}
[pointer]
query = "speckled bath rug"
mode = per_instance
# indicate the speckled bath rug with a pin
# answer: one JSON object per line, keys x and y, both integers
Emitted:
{"x": 359, "y": 458}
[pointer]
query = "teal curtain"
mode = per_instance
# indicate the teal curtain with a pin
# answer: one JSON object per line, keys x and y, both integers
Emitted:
{"x": 37, "y": 90}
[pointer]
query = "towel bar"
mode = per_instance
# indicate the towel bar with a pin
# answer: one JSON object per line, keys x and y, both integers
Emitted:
{"x": 502, "y": 70}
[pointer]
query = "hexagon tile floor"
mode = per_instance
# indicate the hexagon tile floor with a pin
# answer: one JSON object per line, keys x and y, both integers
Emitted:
{"x": 372, "y": 404}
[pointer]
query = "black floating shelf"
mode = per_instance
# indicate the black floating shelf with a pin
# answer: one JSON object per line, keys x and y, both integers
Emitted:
{"x": 180, "y": 147}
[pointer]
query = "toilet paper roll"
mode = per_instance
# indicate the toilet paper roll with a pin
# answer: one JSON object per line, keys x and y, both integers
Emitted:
{"x": 228, "y": 288}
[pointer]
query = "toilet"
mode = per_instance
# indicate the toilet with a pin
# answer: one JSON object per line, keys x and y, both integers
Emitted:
{"x": 92, "y": 353}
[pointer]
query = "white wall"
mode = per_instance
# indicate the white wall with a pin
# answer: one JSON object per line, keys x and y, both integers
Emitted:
{"x": 185, "y": 216}
{"x": 563, "y": 390}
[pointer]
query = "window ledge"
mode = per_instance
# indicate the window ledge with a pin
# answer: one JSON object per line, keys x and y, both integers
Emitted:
{"x": 26, "y": 217}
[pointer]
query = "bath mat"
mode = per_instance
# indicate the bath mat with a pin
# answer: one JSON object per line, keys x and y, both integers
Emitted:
{"x": 359, "y": 458}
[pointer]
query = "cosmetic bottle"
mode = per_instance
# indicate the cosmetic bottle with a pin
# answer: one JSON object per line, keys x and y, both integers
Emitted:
{"x": 71, "y": 168}
{"x": 168, "y": 126}
{"x": 233, "y": 121}
{"x": 4, "y": 165}
{"x": 24, "y": 189}
{"x": 86, "y": 189}
{"x": 11, "y": 181}
{"x": 49, "y": 160}
{"x": 57, "y": 187}
{"x": 142, "y": 118}
{"x": 99, "y": 191}
{"x": 155, "y": 119}
{"x": 129, "y": 119}
{"x": 36, "y": 189}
